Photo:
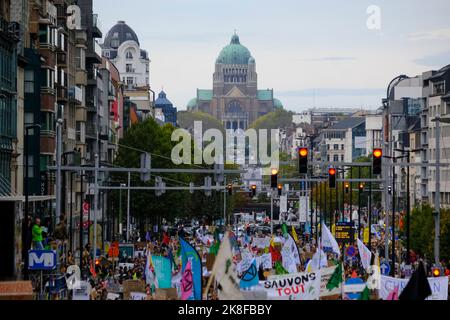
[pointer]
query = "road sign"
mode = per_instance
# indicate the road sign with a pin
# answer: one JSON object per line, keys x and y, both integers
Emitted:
{"x": 344, "y": 232}
{"x": 350, "y": 251}
{"x": 126, "y": 250}
{"x": 42, "y": 259}
{"x": 385, "y": 268}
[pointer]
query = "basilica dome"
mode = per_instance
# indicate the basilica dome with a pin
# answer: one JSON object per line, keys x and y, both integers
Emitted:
{"x": 235, "y": 53}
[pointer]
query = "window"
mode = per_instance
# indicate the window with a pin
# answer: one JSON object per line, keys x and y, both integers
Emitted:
{"x": 129, "y": 55}
{"x": 80, "y": 60}
{"x": 147, "y": 67}
{"x": 328, "y": 157}
{"x": 336, "y": 158}
{"x": 129, "y": 67}
{"x": 328, "y": 147}
{"x": 342, "y": 158}
{"x": 48, "y": 121}
{"x": 48, "y": 78}
{"x": 29, "y": 81}
{"x": 30, "y": 173}
{"x": 115, "y": 43}
{"x": 336, "y": 147}
{"x": 342, "y": 147}
{"x": 128, "y": 35}
{"x": 29, "y": 121}
{"x": 129, "y": 80}
{"x": 439, "y": 88}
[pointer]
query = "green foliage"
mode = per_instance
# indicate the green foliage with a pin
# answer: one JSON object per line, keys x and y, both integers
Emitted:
{"x": 274, "y": 120}
{"x": 150, "y": 137}
{"x": 186, "y": 120}
{"x": 422, "y": 232}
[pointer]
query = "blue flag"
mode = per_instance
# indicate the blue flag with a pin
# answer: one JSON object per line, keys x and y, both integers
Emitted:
{"x": 250, "y": 277}
{"x": 189, "y": 252}
{"x": 163, "y": 271}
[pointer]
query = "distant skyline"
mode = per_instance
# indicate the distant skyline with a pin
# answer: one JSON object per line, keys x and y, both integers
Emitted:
{"x": 312, "y": 53}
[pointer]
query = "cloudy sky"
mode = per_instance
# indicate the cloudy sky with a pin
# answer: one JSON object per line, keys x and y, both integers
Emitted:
{"x": 312, "y": 53}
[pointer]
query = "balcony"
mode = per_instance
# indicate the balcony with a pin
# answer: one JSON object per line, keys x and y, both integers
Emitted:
{"x": 81, "y": 77}
{"x": 96, "y": 26}
{"x": 94, "y": 54}
{"x": 49, "y": 13}
{"x": 61, "y": 93}
{"x": 61, "y": 59}
{"x": 76, "y": 94}
{"x": 80, "y": 37}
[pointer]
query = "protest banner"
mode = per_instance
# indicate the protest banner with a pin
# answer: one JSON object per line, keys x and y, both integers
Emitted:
{"x": 166, "y": 294}
{"x": 296, "y": 286}
{"x": 189, "y": 252}
{"x": 325, "y": 276}
{"x": 132, "y": 286}
{"x": 138, "y": 296}
{"x": 439, "y": 287}
{"x": 163, "y": 271}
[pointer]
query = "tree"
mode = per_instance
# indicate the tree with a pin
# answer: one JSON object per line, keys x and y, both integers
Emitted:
{"x": 422, "y": 232}
{"x": 148, "y": 136}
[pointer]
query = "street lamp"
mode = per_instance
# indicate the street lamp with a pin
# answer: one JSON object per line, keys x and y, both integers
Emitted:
{"x": 437, "y": 194}
{"x": 27, "y": 192}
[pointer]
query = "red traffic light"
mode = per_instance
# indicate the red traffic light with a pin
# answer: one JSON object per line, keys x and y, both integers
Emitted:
{"x": 97, "y": 262}
{"x": 361, "y": 186}
{"x": 253, "y": 186}
{"x": 347, "y": 185}
{"x": 377, "y": 153}
{"x": 332, "y": 171}
{"x": 436, "y": 272}
{"x": 303, "y": 152}
{"x": 280, "y": 186}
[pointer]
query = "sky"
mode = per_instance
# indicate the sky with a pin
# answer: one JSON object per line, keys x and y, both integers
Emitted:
{"x": 321, "y": 53}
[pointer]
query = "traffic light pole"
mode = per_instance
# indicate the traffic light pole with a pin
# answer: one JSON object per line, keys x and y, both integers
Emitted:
{"x": 359, "y": 205}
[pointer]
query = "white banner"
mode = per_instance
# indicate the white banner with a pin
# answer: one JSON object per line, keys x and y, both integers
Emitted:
{"x": 364, "y": 254}
{"x": 296, "y": 286}
{"x": 439, "y": 287}
{"x": 325, "y": 276}
{"x": 138, "y": 296}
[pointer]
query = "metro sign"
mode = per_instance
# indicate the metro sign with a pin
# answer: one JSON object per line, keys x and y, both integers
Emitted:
{"x": 41, "y": 259}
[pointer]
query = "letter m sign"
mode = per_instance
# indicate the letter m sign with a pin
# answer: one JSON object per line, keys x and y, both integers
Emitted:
{"x": 41, "y": 259}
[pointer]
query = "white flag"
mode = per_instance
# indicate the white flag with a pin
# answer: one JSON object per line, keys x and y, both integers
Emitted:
{"x": 328, "y": 241}
{"x": 319, "y": 260}
{"x": 365, "y": 254}
{"x": 224, "y": 271}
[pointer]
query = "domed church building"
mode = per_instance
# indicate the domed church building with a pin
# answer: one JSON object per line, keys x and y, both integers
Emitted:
{"x": 235, "y": 99}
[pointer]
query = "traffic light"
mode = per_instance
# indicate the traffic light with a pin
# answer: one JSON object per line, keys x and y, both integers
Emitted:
{"x": 97, "y": 262}
{"x": 376, "y": 162}
{"x": 280, "y": 188}
{"x": 347, "y": 187}
{"x": 361, "y": 186}
{"x": 436, "y": 272}
{"x": 389, "y": 189}
{"x": 253, "y": 188}
{"x": 274, "y": 179}
{"x": 332, "y": 178}
{"x": 230, "y": 189}
{"x": 303, "y": 160}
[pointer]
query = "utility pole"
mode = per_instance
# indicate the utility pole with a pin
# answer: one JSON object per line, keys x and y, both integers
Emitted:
{"x": 393, "y": 220}
{"x": 128, "y": 207}
{"x": 271, "y": 213}
{"x": 437, "y": 194}
{"x": 225, "y": 203}
{"x": 59, "y": 124}
{"x": 95, "y": 203}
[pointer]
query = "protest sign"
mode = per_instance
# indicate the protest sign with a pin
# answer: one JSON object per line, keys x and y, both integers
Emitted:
{"x": 113, "y": 296}
{"x": 325, "y": 276}
{"x": 163, "y": 271}
{"x": 132, "y": 286}
{"x": 296, "y": 286}
{"x": 166, "y": 294}
{"x": 138, "y": 296}
{"x": 439, "y": 287}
